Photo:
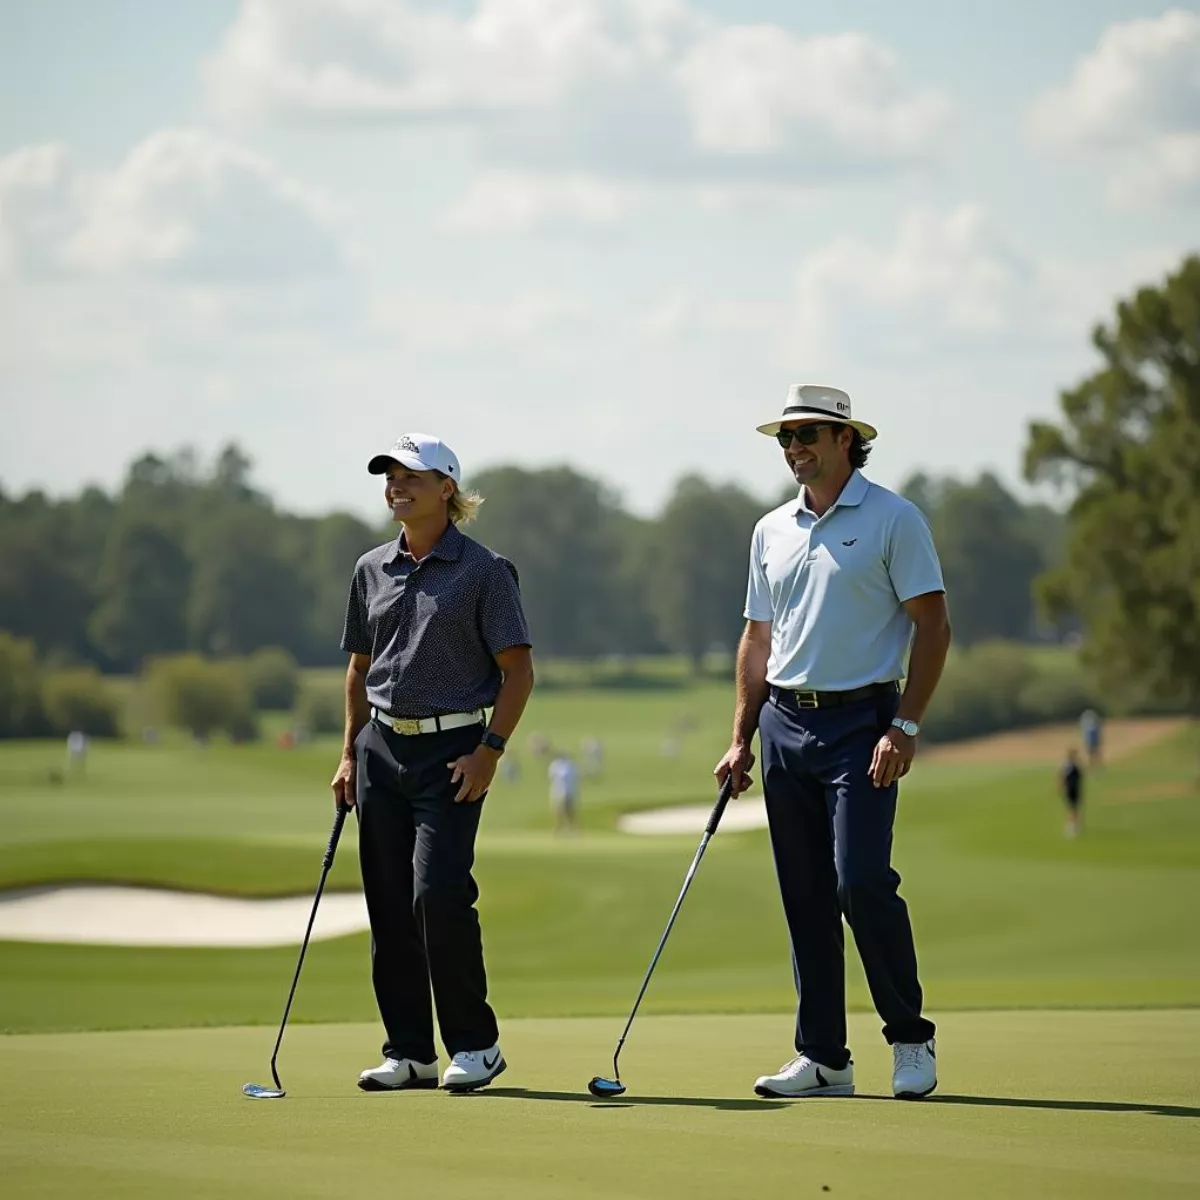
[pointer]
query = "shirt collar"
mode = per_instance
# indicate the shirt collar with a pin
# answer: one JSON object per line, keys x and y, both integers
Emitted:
{"x": 852, "y": 495}
{"x": 448, "y": 547}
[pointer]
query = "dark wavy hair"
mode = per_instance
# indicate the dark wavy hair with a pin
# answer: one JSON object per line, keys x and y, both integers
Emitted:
{"x": 860, "y": 448}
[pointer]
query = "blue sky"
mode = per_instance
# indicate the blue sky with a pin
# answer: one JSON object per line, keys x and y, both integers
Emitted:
{"x": 598, "y": 232}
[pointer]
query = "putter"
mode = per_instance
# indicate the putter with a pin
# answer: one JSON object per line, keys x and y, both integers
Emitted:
{"x": 605, "y": 1088}
{"x": 257, "y": 1091}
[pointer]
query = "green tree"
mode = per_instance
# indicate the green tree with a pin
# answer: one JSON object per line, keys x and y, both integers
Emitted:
{"x": 273, "y": 679}
{"x": 143, "y": 587}
{"x": 990, "y": 551}
{"x": 21, "y": 713}
{"x": 561, "y": 530}
{"x": 190, "y": 692}
{"x": 79, "y": 699}
{"x": 246, "y": 591}
{"x": 1128, "y": 447}
{"x": 46, "y": 592}
{"x": 335, "y": 543}
{"x": 699, "y": 574}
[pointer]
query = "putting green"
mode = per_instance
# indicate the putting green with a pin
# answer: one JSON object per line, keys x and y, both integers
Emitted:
{"x": 1043, "y": 1104}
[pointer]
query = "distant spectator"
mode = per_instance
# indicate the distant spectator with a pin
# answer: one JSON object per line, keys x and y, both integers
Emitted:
{"x": 564, "y": 793}
{"x": 1071, "y": 781}
{"x": 593, "y": 756}
{"x": 77, "y": 748}
{"x": 1090, "y": 730}
{"x": 510, "y": 768}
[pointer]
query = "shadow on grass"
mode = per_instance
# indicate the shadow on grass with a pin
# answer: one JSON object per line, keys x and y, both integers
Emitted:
{"x": 1113, "y": 1106}
{"x": 737, "y": 1105}
{"x": 626, "y": 1100}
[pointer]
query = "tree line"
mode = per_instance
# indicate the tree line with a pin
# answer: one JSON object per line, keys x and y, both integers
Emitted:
{"x": 188, "y": 557}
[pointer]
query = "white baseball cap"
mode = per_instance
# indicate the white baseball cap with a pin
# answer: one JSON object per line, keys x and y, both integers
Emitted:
{"x": 418, "y": 452}
{"x": 811, "y": 402}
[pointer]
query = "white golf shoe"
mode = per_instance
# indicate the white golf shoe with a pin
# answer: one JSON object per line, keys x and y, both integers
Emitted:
{"x": 471, "y": 1069}
{"x": 914, "y": 1070}
{"x": 397, "y": 1074}
{"x": 803, "y": 1077}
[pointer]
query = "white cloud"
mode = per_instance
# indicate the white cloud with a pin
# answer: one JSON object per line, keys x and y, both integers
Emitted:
{"x": 641, "y": 88}
{"x": 681, "y": 313}
{"x": 182, "y": 205}
{"x": 945, "y": 277}
{"x": 1133, "y": 104}
{"x": 439, "y": 323}
{"x": 949, "y": 286}
{"x": 757, "y": 89}
{"x": 512, "y": 202}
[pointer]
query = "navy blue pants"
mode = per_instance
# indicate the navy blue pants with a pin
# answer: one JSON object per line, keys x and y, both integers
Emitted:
{"x": 417, "y": 848}
{"x": 831, "y": 833}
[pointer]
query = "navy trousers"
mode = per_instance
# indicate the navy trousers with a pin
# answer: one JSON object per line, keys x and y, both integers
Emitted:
{"x": 416, "y": 850}
{"x": 831, "y": 833}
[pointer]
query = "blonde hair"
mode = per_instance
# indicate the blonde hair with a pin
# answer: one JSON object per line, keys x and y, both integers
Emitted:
{"x": 463, "y": 506}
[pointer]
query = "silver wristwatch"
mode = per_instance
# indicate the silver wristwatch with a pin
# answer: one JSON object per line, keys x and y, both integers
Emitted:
{"x": 911, "y": 728}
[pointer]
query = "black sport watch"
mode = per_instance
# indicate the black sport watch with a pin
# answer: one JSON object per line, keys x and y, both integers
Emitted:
{"x": 493, "y": 741}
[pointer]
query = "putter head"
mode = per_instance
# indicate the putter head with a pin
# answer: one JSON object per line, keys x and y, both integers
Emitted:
{"x": 256, "y": 1091}
{"x": 604, "y": 1089}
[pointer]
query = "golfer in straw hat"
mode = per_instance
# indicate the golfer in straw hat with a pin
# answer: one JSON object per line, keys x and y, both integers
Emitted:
{"x": 843, "y": 580}
{"x": 436, "y": 636}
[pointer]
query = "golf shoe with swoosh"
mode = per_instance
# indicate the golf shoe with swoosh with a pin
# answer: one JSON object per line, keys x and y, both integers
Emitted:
{"x": 471, "y": 1069}
{"x": 914, "y": 1070}
{"x": 803, "y": 1077}
{"x": 398, "y": 1074}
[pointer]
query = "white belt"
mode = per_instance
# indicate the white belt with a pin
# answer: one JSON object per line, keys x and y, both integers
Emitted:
{"x": 414, "y": 725}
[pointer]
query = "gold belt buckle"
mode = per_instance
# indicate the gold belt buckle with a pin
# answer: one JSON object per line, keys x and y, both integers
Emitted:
{"x": 406, "y": 725}
{"x": 806, "y": 699}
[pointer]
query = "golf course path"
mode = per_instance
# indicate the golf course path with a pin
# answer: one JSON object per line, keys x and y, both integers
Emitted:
{"x": 129, "y": 916}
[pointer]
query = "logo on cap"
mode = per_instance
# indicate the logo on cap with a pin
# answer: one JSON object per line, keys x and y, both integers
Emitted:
{"x": 842, "y": 406}
{"x": 406, "y": 443}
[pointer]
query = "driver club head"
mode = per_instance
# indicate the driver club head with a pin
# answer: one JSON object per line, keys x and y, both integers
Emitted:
{"x": 603, "y": 1089}
{"x": 256, "y": 1091}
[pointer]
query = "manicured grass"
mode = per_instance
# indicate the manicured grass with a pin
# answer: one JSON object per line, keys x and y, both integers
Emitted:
{"x": 1066, "y": 1105}
{"x": 1008, "y": 913}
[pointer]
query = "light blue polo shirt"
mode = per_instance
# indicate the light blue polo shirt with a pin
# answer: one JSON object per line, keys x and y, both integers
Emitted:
{"x": 832, "y": 587}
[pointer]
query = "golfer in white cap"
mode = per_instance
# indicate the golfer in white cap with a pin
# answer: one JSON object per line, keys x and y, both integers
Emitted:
{"x": 840, "y": 578}
{"x": 436, "y": 636}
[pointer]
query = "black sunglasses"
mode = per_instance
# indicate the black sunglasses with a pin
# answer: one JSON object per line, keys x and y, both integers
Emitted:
{"x": 806, "y": 435}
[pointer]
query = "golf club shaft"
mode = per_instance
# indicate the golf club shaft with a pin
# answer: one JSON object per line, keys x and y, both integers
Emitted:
{"x": 711, "y": 828}
{"x": 338, "y": 821}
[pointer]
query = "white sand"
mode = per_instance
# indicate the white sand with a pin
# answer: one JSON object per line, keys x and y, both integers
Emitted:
{"x": 739, "y": 815}
{"x": 127, "y": 916}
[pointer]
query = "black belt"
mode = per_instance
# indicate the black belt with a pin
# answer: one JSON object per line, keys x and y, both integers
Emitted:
{"x": 798, "y": 698}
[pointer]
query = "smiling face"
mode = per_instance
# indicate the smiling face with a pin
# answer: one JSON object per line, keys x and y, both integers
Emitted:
{"x": 827, "y": 458}
{"x": 416, "y": 497}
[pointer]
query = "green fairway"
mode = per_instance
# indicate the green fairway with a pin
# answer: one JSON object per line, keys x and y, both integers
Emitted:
{"x": 1054, "y": 1097}
{"x": 1008, "y": 913}
{"x": 1031, "y": 1104}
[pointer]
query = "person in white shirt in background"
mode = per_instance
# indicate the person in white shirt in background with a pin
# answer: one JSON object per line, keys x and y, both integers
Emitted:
{"x": 564, "y": 792}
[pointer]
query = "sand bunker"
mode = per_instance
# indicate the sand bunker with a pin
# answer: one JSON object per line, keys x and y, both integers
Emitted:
{"x": 129, "y": 916}
{"x": 739, "y": 815}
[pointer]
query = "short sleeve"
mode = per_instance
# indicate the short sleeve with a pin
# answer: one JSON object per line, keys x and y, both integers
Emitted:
{"x": 501, "y": 617}
{"x": 912, "y": 560}
{"x": 356, "y": 633}
{"x": 758, "y": 591}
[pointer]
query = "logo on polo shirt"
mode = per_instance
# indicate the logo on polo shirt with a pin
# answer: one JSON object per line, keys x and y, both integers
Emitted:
{"x": 850, "y": 542}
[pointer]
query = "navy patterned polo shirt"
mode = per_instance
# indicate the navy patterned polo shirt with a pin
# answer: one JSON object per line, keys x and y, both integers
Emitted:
{"x": 432, "y": 627}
